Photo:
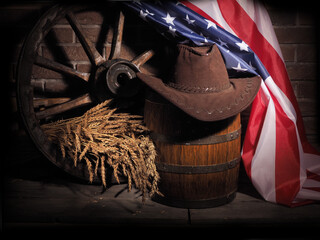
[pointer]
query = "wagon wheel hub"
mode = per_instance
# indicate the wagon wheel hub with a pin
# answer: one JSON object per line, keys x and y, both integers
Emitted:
{"x": 115, "y": 78}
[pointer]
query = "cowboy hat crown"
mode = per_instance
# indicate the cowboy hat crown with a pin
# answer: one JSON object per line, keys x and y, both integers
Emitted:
{"x": 199, "y": 85}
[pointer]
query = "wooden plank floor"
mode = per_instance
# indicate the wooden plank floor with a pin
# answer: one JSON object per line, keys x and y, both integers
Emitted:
{"x": 37, "y": 195}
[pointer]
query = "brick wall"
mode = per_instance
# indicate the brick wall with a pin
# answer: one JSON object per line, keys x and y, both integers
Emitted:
{"x": 295, "y": 27}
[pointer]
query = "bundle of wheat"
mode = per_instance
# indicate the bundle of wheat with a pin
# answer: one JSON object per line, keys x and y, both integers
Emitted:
{"x": 101, "y": 136}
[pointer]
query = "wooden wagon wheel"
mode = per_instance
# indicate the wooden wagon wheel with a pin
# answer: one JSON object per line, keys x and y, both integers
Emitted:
{"x": 111, "y": 73}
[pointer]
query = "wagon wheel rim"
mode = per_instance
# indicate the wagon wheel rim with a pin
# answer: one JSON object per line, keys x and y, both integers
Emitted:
{"x": 105, "y": 70}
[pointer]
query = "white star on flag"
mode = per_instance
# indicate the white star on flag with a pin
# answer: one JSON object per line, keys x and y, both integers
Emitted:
{"x": 238, "y": 68}
{"x": 222, "y": 43}
{"x": 172, "y": 31}
{"x": 265, "y": 154}
{"x": 143, "y": 15}
{"x": 189, "y": 20}
{"x": 243, "y": 46}
{"x": 250, "y": 64}
{"x": 138, "y": 2}
{"x": 204, "y": 37}
{"x": 210, "y": 24}
{"x": 169, "y": 19}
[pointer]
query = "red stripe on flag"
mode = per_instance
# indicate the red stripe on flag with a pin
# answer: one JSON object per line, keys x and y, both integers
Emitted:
{"x": 246, "y": 28}
{"x": 287, "y": 161}
{"x": 287, "y": 152}
{"x": 287, "y": 175}
{"x": 258, "y": 111}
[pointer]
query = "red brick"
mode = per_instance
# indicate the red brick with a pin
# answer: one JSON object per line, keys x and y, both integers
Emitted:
{"x": 308, "y": 89}
{"x": 86, "y": 17}
{"x": 84, "y": 67}
{"x": 280, "y": 17}
{"x": 302, "y": 71}
{"x": 311, "y": 125}
{"x": 306, "y": 18}
{"x": 66, "y": 53}
{"x": 305, "y": 89}
{"x": 314, "y": 140}
{"x": 295, "y": 34}
{"x": 60, "y": 35}
{"x": 90, "y": 17}
{"x": 40, "y": 72}
{"x": 288, "y": 52}
{"x": 92, "y": 33}
{"x": 306, "y": 53}
{"x": 308, "y": 107}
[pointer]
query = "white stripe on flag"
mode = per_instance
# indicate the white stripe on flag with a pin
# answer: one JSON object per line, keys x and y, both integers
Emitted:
{"x": 263, "y": 162}
{"x": 283, "y": 100}
{"x": 312, "y": 163}
{"x": 304, "y": 194}
{"x": 212, "y": 9}
{"x": 307, "y": 161}
{"x": 311, "y": 183}
{"x": 257, "y": 12}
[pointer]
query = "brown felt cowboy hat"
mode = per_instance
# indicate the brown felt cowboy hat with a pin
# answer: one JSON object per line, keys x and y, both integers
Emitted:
{"x": 200, "y": 86}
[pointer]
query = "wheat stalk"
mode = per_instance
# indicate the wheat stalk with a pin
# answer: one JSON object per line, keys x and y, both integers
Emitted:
{"x": 102, "y": 136}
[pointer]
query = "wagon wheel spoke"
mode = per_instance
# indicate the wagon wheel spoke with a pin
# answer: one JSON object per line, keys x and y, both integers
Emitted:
{"x": 143, "y": 58}
{"x": 48, "y": 102}
{"x": 75, "y": 103}
{"x": 58, "y": 67}
{"x": 93, "y": 54}
{"x": 117, "y": 37}
{"x": 50, "y": 89}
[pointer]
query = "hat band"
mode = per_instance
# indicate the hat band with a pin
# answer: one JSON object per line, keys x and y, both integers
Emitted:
{"x": 197, "y": 89}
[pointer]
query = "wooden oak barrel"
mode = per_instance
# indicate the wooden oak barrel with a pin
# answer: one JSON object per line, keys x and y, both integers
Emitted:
{"x": 198, "y": 162}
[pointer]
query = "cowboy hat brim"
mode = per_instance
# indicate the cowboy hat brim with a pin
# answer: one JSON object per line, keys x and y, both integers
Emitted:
{"x": 211, "y": 106}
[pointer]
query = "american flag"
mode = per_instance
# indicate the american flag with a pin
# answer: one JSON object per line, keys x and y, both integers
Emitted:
{"x": 282, "y": 165}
